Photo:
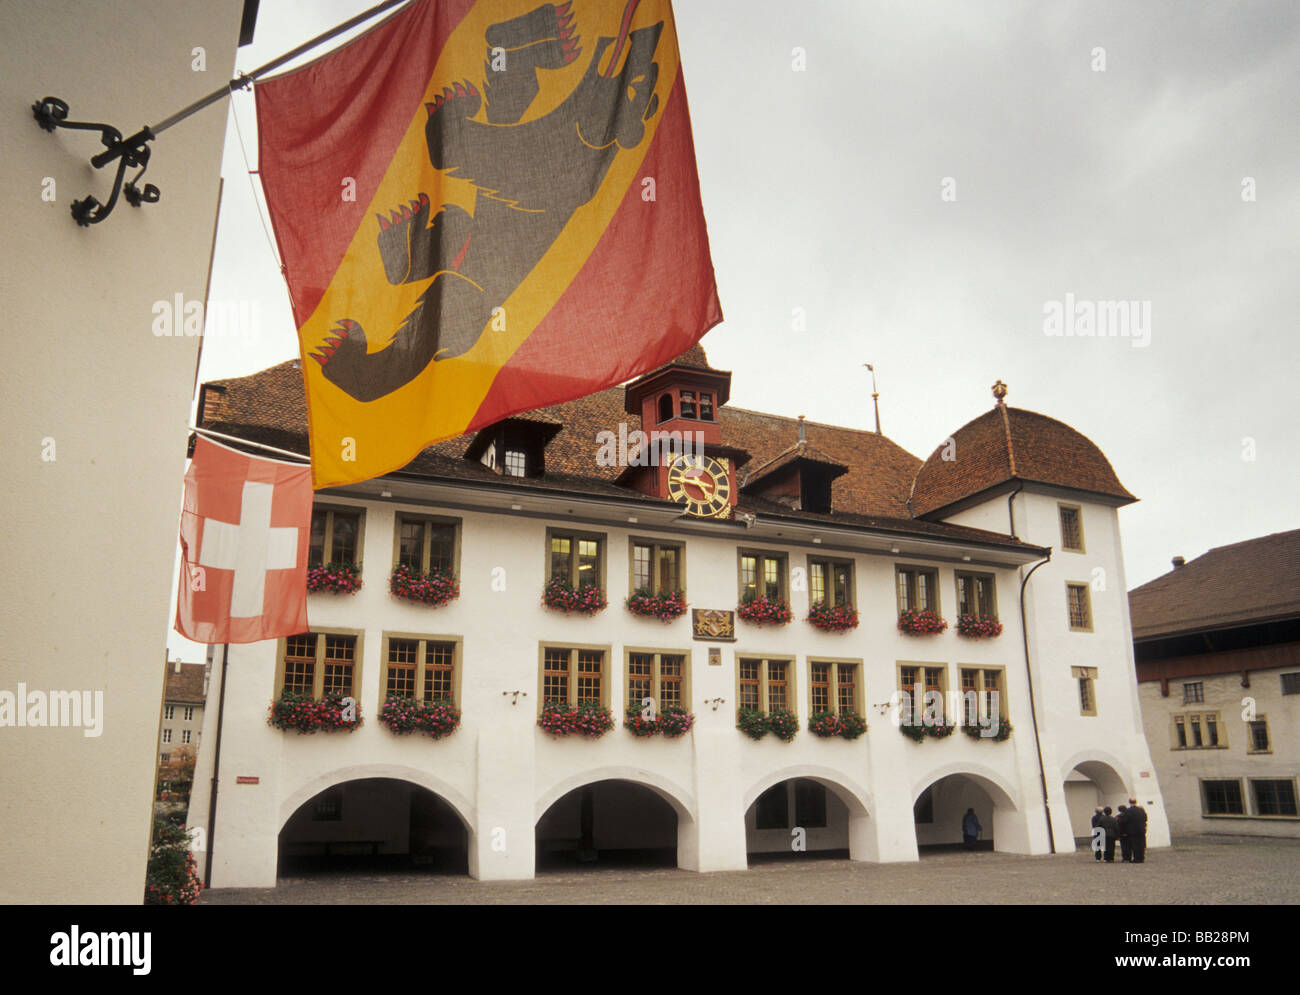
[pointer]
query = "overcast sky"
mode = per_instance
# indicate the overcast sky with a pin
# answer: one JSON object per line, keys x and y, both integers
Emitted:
{"x": 824, "y": 189}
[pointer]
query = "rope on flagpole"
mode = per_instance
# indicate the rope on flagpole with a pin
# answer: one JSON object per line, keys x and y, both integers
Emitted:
{"x": 52, "y": 113}
{"x": 209, "y": 434}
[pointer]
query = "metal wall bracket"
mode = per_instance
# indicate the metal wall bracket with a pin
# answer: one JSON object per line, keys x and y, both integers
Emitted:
{"x": 130, "y": 152}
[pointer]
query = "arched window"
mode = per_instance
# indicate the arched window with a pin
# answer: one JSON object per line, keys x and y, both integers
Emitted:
{"x": 665, "y": 407}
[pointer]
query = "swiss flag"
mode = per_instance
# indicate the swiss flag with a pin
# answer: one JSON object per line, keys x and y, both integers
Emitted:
{"x": 244, "y": 537}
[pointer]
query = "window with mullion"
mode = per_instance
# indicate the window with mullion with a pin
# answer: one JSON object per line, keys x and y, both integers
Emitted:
{"x": 975, "y": 595}
{"x": 426, "y": 545}
{"x": 573, "y": 675}
{"x": 1222, "y": 797}
{"x": 656, "y": 567}
{"x": 765, "y": 683}
{"x": 334, "y": 537}
{"x": 918, "y": 589}
{"x": 762, "y": 575}
{"x": 577, "y": 560}
{"x": 319, "y": 664}
{"x": 1274, "y": 796}
{"x": 830, "y": 582}
{"x": 833, "y": 687}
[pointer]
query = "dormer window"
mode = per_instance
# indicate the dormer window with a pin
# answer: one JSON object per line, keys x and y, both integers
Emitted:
{"x": 516, "y": 463}
{"x": 665, "y": 407}
{"x": 688, "y": 404}
{"x": 706, "y": 407}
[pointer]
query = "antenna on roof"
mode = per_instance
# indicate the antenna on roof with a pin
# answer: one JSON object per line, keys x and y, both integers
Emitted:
{"x": 875, "y": 397}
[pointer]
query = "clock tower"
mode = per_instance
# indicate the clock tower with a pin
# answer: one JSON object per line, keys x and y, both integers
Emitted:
{"x": 679, "y": 409}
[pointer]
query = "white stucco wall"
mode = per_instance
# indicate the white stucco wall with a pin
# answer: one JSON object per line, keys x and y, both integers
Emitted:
{"x": 84, "y": 380}
{"x": 1114, "y": 739}
{"x": 1182, "y": 770}
{"x": 502, "y": 773}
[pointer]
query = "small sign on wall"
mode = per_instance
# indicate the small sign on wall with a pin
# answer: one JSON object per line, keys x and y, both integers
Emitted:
{"x": 247, "y": 779}
{"x": 715, "y": 656}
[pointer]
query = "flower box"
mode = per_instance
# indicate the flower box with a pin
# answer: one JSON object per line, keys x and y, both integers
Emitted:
{"x": 664, "y": 607}
{"x": 920, "y": 623}
{"x": 434, "y": 588}
{"x": 912, "y": 730}
{"x": 973, "y": 627}
{"x": 559, "y": 596}
{"x": 824, "y": 724}
{"x": 334, "y": 578}
{"x": 638, "y": 725}
{"x": 761, "y": 611}
{"x": 675, "y": 721}
{"x": 852, "y": 726}
{"x": 307, "y": 714}
{"x": 433, "y": 718}
{"x": 784, "y": 723}
{"x": 752, "y": 723}
{"x": 589, "y": 719}
{"x": 977, "y": 731}
{"x": 832, "y": 618}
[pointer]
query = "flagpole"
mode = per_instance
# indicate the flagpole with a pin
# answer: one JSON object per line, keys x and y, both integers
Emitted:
{"x": 216, "y": 769}
{"x": 207, "y": 432}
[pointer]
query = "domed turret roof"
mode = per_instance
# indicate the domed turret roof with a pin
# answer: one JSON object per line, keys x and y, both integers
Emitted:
{"x": 1011, "y": 444}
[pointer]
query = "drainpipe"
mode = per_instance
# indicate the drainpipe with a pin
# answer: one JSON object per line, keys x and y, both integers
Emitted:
{"x": 1033, "y": 711}
{"x": 1011, "y": 511}
{"x": 216, "y": 769}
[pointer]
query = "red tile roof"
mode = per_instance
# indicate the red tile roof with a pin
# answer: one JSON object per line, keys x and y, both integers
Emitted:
{"x": 1252, "y": 581}
{"x": 187, "y": 686}
{"x": 269, "y": 407}
{"x": 1007, "y": 444}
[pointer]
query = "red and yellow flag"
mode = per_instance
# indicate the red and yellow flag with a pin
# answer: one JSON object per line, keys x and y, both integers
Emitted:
{"x": 483, "y": 207}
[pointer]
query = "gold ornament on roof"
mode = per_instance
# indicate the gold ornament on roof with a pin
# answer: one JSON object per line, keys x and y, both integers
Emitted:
{"x": 999, "y": 391}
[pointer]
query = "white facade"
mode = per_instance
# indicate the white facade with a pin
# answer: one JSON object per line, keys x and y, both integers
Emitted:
{"x": 501, "y": 774}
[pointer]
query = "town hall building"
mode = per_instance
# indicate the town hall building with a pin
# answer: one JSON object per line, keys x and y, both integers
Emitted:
{"x": 746, "y": 634}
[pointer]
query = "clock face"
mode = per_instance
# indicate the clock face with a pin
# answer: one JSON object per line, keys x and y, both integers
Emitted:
{"x": 701, "y": 484}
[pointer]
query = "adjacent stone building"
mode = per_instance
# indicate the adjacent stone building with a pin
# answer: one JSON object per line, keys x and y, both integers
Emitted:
{"x": 1217, "y": 641}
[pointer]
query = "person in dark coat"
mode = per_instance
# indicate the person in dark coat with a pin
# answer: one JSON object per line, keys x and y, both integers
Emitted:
{"x": 1126, "y": 854}
{"x": 970, "y": 828}
{"x": 1097, "y": 844}
{"x": 1137, "y": 831}
{"x": 1110, "y": 826}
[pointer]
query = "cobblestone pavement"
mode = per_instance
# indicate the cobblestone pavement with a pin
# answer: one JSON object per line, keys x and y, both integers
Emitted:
{"x": 1200, "y": 871}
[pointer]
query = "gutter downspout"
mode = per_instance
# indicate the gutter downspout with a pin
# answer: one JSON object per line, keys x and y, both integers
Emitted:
{"x": 1033, "y": 710}
{"x": 216, "y": 769}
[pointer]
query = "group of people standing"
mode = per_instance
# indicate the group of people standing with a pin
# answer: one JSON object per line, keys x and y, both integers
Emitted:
{"x": 1129, "y": 827}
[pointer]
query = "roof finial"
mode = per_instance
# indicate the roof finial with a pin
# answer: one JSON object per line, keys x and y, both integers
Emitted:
{"x": 999, "y": 391}
{"x": 803, "y": 439}
{"x": 875, "y": 397}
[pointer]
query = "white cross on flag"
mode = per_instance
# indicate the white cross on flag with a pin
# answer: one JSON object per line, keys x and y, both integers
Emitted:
{"x": 244, "y": 536}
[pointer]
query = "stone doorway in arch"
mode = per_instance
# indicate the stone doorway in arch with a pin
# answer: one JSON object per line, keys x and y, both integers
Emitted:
{"x": 373, "y": 824}
{"x": 610, "y": 823}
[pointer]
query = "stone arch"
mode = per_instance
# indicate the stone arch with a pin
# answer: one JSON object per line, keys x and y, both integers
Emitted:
{"x": 853, "y": 795}
{"x": 1008, "y": 820}
{"x": 998, "y": 787}
{"x": 669, "y": 791}
{"x": 1103, "y": 768}
{"x": 1110, "y": 787}
{"x": 422, "y": 778}
{"x": 678, "y": 799}
{"x": 864, "y": 843}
